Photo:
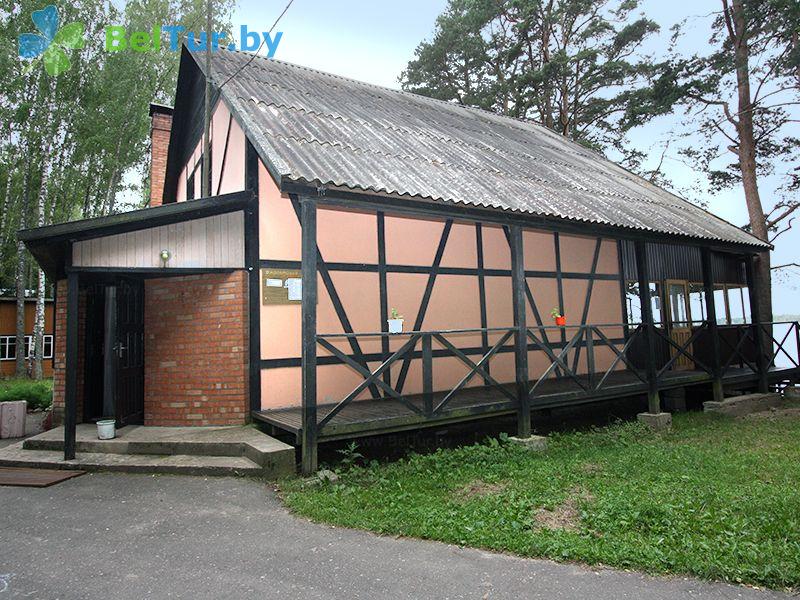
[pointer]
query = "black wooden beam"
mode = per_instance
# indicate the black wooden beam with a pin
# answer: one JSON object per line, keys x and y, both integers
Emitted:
{"x": 559, "y": 279}
{"x": 338, "y": 307}
{"x": 251, "y": 249}
{"x": 532, "y": 301}
{"x": 587, "y": 302}
{"x": 383, "y": 291}
{"x": 521, "y": 334}
{"x": 758, "y": 331}
{"x": 367, "y": 201}
{"x": 71, "y": 367}
{"x": 713, "y": 330}
{"x": 482, "y": 293}
{"x": 285, "y": 362}
{"x": 308, "y": 216}
{"x": 426, "y": 297}
{"x": 425, "y": 270}
{"x": 648, "y": 328}
{"x": 623, "y": 290}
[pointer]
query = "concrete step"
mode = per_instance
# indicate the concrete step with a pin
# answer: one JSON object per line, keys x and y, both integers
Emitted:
{"x": 176, "y": 464}
{"x": 275, "y": 458}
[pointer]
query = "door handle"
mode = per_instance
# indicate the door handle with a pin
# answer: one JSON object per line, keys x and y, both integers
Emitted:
{"x": 119, "y": 348}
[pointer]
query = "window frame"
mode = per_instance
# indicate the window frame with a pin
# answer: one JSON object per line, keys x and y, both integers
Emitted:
{"x": 6, "y": 341}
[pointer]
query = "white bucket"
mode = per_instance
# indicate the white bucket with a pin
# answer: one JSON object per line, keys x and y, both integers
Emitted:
{"x": 106, "y": 429}
{"x": 395, "y": 325}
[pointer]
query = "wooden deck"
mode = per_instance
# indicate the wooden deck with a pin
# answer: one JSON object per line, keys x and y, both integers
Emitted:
{"x": 387, "y": 415}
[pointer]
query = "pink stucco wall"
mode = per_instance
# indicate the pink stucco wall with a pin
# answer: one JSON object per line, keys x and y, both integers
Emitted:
{"x": 346, "y": 236}
{"x": 351, "y": 237}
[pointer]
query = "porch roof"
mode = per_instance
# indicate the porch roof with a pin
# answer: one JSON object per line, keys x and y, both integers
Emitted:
{"x": 320, "y": 129}
{"x": 50, "y": 245}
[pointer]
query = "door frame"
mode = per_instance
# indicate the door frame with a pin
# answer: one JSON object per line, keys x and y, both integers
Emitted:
{"x": 137, "y": 417}
{"x": 680, "y": 333}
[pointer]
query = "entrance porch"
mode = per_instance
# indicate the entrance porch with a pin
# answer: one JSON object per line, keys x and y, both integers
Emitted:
{"x": 153, "y": 325}
{"x": 208, "y": 451}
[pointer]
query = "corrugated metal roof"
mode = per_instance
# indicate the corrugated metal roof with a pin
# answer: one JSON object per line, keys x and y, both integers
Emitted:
{"x": 317, "y": 127}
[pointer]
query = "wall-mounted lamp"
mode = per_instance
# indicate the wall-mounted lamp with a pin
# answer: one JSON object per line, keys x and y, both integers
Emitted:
{"x": 165, "y": 255}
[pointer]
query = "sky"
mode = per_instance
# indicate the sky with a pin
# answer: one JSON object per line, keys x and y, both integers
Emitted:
{"x": 373, "y": 41}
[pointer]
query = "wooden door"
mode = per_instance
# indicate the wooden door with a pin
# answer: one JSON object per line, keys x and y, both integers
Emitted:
{"x": 129, "y": 352}
{"x": 680, "y": 325}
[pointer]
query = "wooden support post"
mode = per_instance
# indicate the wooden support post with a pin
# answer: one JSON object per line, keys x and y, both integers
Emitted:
{"x": 590, "y": 364}
{"x": 755, "y": 313}
{"x": 427, "y": 373}
{"x": 643, "y": 271}
{"x": 71, "y": 368}
{"x": 253, "y": 278}
{"x": 713, "y": 330}
{"x": 383, "y": 288}
{"x": 521, "y": 334}
{"x": 308, "y": 217}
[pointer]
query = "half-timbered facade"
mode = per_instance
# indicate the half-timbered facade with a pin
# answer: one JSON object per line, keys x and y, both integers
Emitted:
{"x": 336, "y": 205}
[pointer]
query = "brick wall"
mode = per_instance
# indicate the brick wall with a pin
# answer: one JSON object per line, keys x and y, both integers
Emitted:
{"x": 196, "y": 353}
{"x": 59, "y": 352}
{"x": 161, "y": 126}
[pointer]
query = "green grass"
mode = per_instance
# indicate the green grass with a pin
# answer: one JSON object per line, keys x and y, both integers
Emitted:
{"x": 716, "y": 498}
{"x": 38, "y": 394}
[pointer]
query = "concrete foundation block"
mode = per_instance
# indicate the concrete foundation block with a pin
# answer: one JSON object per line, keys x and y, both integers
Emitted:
{"x": 656, "y": 421}
{"x": 739, "y": 406}
{"x": 536, "y": 443}
{"x": 36, "y": 422}
{"x": 12, "y": 419}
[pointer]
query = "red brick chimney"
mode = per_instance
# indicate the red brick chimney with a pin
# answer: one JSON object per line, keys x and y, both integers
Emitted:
{"x": 160, "y": 127}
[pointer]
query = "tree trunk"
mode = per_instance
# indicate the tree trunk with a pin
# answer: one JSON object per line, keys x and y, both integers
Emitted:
{"x": 5, "y": 207}
{"x": 20, "y": 369}
{"x": 21, "y": 278}
{"x": 747, "y": 156}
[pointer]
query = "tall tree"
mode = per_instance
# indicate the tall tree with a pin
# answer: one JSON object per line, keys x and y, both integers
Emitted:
{"x": 572, "y": 65}
{"x": 72, "y": 146}
{"x": 743, "y": 96}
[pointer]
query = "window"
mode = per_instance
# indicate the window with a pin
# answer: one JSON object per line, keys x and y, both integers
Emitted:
{"x": 721, "y": 305}
{"x": 634, "y": 305}
{"x": 697, "y": 302}
{"x": 190, "y": 186}
{"x": 678, "y": 304}
{"x": 8, "y": 347}
{"x": 739, "y": 304}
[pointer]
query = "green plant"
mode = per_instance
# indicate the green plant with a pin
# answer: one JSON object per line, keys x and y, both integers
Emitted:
{"x": 666, "y": 503}
{"x": 555, "y": 313}
{"x": 38, "y": 394}
{"x": 350, "y": 455}
{"x": 395, "y": 314}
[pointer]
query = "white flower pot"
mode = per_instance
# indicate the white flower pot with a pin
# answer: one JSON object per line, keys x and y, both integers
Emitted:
{"x": 106, "y": 429}
{"x": 395, "y": 325}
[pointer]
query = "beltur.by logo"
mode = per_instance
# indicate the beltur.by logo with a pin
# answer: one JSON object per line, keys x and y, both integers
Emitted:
{"x": 52, "y": 43}
{"x": 168, "y": 36}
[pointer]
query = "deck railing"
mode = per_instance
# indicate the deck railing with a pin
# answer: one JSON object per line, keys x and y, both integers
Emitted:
{"x": 574, "y": 342}
{"x": 425, "y": 346}
{"x": 406, "y": 354}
